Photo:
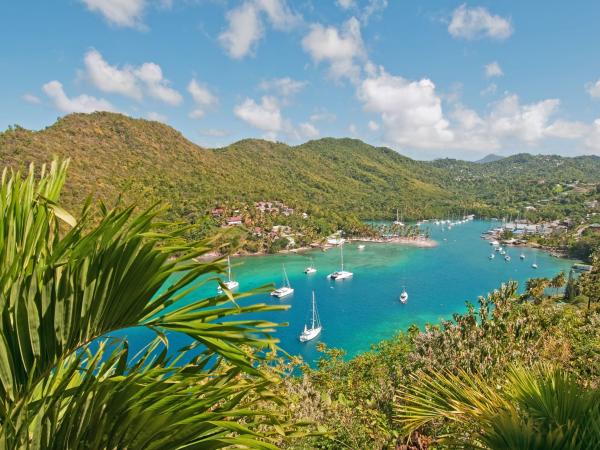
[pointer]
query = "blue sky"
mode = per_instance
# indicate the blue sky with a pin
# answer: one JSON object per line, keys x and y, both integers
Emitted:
{"x": 426, "y": 78}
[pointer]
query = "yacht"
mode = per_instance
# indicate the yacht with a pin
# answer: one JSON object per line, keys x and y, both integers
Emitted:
{"x": 340, "y": 274}
{"x": 309, "y": 334}
{"x": 361, "y": 246}
{"x": 229, "y": 284}
{"x": 310, "y": 269}
{"x": 507, "y": 258}
{"x": 492, "y": 256}
{"x": 284, "y": 290}
{"x": 403, "y": 296}
{"x": 522, "y": 255}
{"x": 398, "y": 221}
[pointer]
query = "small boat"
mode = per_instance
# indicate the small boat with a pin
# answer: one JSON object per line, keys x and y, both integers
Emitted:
{"x": 403, "y": 296}
{"x": 309, "y": 334}
{"x": 229, "y": 284}
{"x": 534, "y": 265}
{"x": 507, "y": 258}
{"x": 340, "y": 274}
{"x": 522, "y": 256}
{"x": 492, "y": 256}
{"x": 310, "y": 269}
{"x": 284, "y": 290}
{"x": 361, "y": 246}
{"x": 398, "y": 221}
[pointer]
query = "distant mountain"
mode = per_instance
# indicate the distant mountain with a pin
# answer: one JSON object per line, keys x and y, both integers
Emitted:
{"x": 489, "y": 158}
{"x": 336, "y": 179}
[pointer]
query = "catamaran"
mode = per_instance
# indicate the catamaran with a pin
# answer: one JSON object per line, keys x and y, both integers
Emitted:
{"x": 284, "y": 290}
{"x": 403, "y": 296}
{"x": 310, "y": 269}
{"x": 340, "y": 274}
{"x": 229, "y": 284}
{"x": 315, "y": 324}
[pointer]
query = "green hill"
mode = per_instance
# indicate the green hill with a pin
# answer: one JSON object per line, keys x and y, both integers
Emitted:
{"x": 335, "y": 179}
{"x": 149, "y": 161}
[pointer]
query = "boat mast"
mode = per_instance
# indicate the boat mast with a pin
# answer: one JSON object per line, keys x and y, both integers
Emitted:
{"x": 342, "y": 254}
{"x": 228, "y": 268}
{"x": 313, "y": 310}
{"x": 285, "y": 278}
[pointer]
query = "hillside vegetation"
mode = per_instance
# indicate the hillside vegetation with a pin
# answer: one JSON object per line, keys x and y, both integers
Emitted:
{"x": 336, "y": 179}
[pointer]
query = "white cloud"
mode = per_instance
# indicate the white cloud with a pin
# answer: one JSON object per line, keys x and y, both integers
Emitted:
{"x": 245, "y": 24}
{"x": 411, "y": 111}
{"x": 490, "y": 89}
{"x": 593, "y": 89}
{"x": 203, "y": 98}
{"x": 123, "y": 13}
{"x": 345, "y": 4}
{"x": 152, "y": 115}
{"x": 285, "y": 87}
{"x": 265, "y": 116}
{"x": 567, "y": 130}
{"x": 111, "y": 79}
{"x": 214, "y": 132}
{"x": 156, "y": 85}
{"x": 308, "y": 130}
{"x": 82, "y": 103}
{"x": 477, "y": 22}
{"x": 373, "y": 126}
{"x": 352, "y": 129}
{"x": 373, "y": 7}
{"x": 593, "y": 139}
{"x": 493, "y": 69}
{"x": 322, "y": 116}
{"x": 30, "y": 98}
{"x": 339, "y": 48}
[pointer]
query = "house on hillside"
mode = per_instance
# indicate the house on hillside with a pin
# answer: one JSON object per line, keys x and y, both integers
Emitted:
{"x": 234, "y": 220}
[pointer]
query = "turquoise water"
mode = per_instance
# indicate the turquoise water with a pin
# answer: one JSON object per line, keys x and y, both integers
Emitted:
{"x": 362, "y": 311}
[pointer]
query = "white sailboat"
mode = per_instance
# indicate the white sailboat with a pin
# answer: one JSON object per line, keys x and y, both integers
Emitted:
{"x": 522, "y": 255}
{"x": 534, "y": 265}
{"x": 310, "y": 269}
{"x": 403, "y": 295}
{"x": 230, "y": 283}
{"x": 361, "y": 246}
{"x": 492, "y": 256}
{"x": 284, "y": 290}
{"x": 398, "y": 221}
{"x": 340, "y": 274}
{"x": 315, "y": 324}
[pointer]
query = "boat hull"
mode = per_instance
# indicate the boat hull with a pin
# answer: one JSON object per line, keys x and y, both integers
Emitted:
{"x": 282, "y": 292}
{"x": 309, "y": 335}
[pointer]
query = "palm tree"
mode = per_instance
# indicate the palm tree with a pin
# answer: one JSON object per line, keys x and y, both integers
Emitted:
{"x": 540, "y": 408}
{"x": 558, "y": 281}
{"x": 67, "y": 286}
{"x": 535, "y": 287}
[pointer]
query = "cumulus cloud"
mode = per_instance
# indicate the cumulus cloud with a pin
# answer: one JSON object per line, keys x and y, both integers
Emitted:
{"x": 478, "y": 22}
{"x": 322, "y": 116}
{"x": 593, "y": 89}
{"x": 339, "y": 48}
{"x": 203, "y": 98}
{"x": 265, "y": 116}
{"x": 593, "y": 139}
{"x": 285, "y": 87}
{"x": 245, "y": 24}
{"x": 373, "y": 126}
{"x": 123, "y": 13}
{"x": 490, "y": 89}
{"x": 30, "y": 98}
{"x": 129, "y": 81}
{"x": 410, "y": 111}
{"x": 373, "y": 7}
{"x": 308, "y": 130}
{"x": 111, "y": 79}
{"x": 82, "y": 103}
{"x": 493, "y": 69}
{"x": 156, "y": 85}
{"x": 345, "y": 4}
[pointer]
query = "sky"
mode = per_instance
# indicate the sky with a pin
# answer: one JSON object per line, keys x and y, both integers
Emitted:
{"x": 429, "y": 79}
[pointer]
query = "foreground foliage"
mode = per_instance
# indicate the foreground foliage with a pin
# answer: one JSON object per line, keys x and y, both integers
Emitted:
{"x": 66, "y": 284}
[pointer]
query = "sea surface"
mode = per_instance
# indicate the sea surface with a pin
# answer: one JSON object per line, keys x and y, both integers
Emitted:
{"x": 364, "y": 310}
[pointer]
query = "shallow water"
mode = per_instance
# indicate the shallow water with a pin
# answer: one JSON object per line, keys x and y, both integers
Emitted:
{"x": 362, "y": 311}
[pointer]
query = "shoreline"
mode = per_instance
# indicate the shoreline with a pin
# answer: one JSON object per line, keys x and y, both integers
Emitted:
{"x": 412, "y": 242}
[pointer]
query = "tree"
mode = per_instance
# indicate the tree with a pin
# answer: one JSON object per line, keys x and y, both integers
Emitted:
{"x": 540, "y": 408}
{"x": 558, "y": 281}
{"x": 67, "y": 285}
{"x": 590, "y": 282}
{"x": 535, "y": 287}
